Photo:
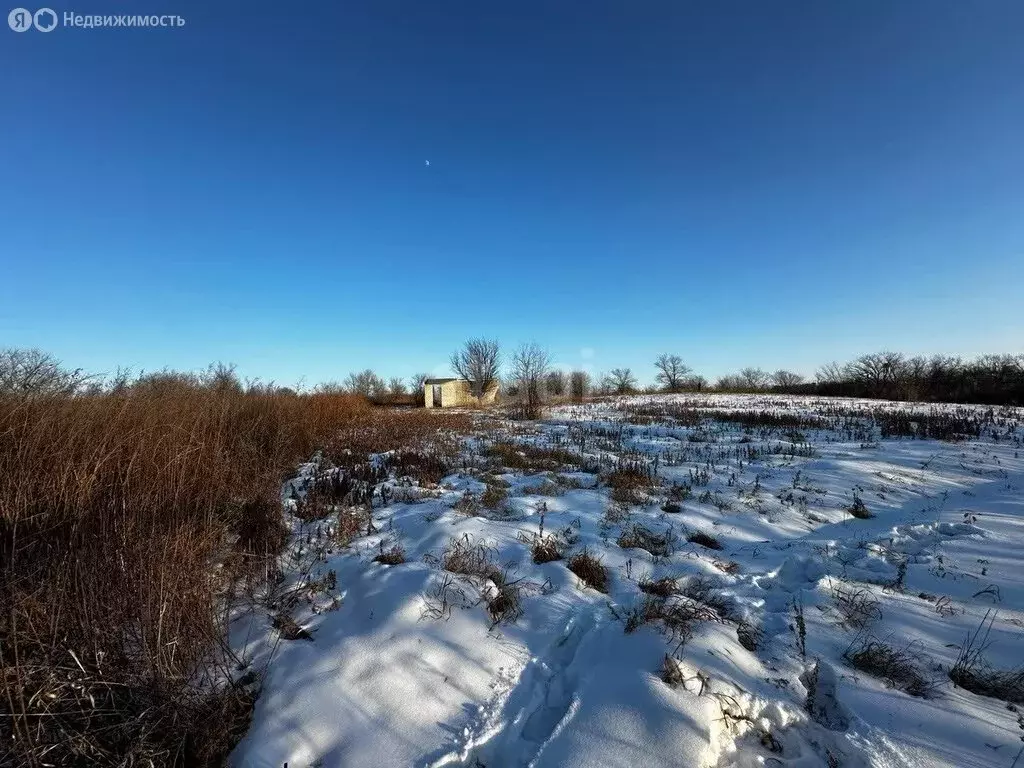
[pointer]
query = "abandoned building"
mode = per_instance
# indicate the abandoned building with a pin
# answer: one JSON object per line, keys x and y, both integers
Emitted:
{"x": 455, "y": 393}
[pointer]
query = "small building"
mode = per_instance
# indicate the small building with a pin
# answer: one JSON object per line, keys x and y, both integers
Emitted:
{"x": 455, "y": 393}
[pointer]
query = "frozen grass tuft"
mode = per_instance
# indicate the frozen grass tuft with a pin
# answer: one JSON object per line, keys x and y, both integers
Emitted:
{"x": 900, "y": 668}
{"x": 973, "y": 673}
{"x": 590, "y": 570}
{"x": 704, "y": 540}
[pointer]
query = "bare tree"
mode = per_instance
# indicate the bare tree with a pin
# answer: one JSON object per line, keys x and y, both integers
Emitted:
{"x": 365, "y": 383}
{"x": 831, "y": 373}
{"x": 579, "y": 385}
{"x": 783, "y": 378}
{"x": 671, "y": 372}
{"x": 696, "y": 382}
{"x": 396, "y": 386}
{"x": 530, "y": 365}
{"x": 28, "y": 372}
{"x": 753, "y": 378}
{"x": 478, "y": 361}
{"x": 621, "y": 381}
{"x": 555, "y": 383}
{"x": 730, "y": 382}
{"x": 416, "y": 382}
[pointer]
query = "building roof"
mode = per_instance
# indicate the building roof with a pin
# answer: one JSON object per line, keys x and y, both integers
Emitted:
{"x": 441, "y": 381}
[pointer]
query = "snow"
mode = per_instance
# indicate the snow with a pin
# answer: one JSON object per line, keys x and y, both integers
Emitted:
{"x": 386, "y": 680}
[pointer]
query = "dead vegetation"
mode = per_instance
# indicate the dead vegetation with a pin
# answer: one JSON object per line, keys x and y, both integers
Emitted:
{"x": 678, "y": 616}
{"x": 858, "y": 608}
{"x": 114, "y": 505}
{"x": 663, "y": 587}
{"x": 394, "y": 555}
{"x": 703, "y": 539}
{"x": 530, "y": 459}
{"x": 630, "y": 482}
{"x": 899, "y": 668}
{"x": 590, "y": 570}
{"x": 973, "y": 673}
{"x": 640, "y": 537}
{"x": 859, "y": 509}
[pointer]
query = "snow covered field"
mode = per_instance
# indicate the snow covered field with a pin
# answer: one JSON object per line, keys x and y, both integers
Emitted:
{"x": 789, "y": 582}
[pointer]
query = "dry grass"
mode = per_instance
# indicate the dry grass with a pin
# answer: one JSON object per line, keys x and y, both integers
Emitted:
{"x": 973, "y": 673}
{"x": 900, "y": 668}
{"x": 857, "y": 607}
{"x": 394, "y": 555}
{"x": 531, "y": 458}
{"x": 640, "y": 537}
{"x": 546, "y": 549}
{"x": 114, "y": 510}
{"x": 665, "y": 587}
{"x": 590, "y": 570}
{"x": 704, "y": 540}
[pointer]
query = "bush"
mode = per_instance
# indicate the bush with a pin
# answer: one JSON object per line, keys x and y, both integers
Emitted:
{"x": 590, "y": 570}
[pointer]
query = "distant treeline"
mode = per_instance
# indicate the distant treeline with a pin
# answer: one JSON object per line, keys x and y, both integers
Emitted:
{"x": 990, "y": 379}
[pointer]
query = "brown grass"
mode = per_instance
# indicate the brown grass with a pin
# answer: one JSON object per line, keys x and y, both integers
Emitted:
{"x": 114, "y": 508}
{"x": 590, "y": 570}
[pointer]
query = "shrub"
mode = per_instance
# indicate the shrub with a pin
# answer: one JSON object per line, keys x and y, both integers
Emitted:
{"x": 590, "y": 570}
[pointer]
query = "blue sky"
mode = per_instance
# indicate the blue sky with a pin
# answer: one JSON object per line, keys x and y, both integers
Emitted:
{"x": 772, "y": 184}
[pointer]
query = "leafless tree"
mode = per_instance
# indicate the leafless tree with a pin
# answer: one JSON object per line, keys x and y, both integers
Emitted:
{"x": 396, "y": 386}
{"x": 697, "y": 383}
{"x": 555, "y": 383}
{"x": 671, "y": 372}
{"x": 831, "y": 373}
{"x": 416, "y": 382}
{"x": 365, "y": 383}
{"x": 880, "y": 372}
{"x": 478, "y": 361}
{"x": 621, "y": 381}
{"x": 28, "y": 372}
{"x": 754, "y": 378}
{"x": 783, "y": 378}
{"x": 730, "y": 382}
{"x": 579, "y": 384}
{"x": 530, "y": 365}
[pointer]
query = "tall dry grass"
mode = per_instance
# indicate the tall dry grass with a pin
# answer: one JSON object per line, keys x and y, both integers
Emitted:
{"x": 124, "y": 518}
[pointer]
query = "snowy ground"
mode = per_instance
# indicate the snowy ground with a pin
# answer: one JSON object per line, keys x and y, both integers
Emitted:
{"x": 524, "y": 665}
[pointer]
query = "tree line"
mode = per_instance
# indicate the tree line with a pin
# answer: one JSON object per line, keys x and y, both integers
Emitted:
{"x": 529, "y": 378}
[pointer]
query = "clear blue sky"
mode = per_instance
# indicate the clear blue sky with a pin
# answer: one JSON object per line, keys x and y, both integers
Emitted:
{"x": 762, "y": 183}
